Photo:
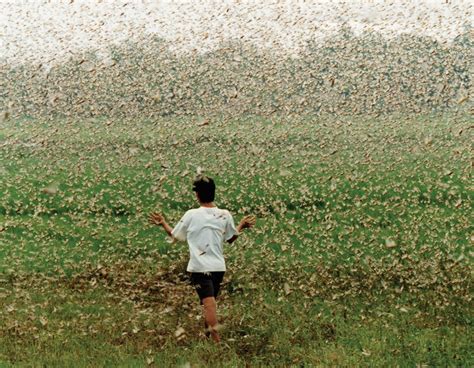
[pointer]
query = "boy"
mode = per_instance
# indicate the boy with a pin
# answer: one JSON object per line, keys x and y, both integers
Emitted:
{"x": 205, "y": 228}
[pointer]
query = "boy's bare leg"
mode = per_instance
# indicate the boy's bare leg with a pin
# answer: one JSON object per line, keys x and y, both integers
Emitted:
{"x": 210, "y": 316}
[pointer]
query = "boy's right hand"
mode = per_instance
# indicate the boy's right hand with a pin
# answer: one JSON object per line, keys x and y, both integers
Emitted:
{"x": 156, "y": 218}
{"x": 248, "y": 222}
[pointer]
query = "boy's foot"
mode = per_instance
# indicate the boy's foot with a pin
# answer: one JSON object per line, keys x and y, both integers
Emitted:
{"x": 214, "y": 335}
{"x": 212, "y": 332}
{"x": 206, "y": 327}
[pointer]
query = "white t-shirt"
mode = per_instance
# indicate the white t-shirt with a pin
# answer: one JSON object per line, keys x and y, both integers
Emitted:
{"x": 205, "y": 229}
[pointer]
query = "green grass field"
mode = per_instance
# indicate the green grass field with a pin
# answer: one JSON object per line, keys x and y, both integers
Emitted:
{"x": 362, "y": 253}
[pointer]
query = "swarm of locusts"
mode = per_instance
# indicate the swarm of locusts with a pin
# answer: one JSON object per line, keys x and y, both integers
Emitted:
{"x": 149, "y": 61}
{"x": 349, "y": 139}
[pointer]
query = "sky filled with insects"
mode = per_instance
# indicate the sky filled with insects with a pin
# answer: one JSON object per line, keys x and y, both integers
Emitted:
{"x": 50, "y": 31}
{"x": 159, "y": 58}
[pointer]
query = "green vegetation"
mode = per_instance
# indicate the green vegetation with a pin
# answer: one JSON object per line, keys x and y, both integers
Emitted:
{"x": 362, "y": 253}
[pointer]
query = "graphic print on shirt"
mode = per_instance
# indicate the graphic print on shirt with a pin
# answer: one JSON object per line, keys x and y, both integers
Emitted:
{"x": 204, "y": 250}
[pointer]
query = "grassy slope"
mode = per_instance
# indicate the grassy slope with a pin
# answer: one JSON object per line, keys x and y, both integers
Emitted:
{"x": 360, "y": 257}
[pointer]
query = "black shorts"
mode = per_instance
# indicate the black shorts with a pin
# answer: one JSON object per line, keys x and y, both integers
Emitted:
{"x": 207, "y": 284}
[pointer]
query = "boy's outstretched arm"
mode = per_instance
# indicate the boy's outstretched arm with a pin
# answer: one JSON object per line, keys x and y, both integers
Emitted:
{"x": 158, "y": 219}
{"x": 246, "y": 223}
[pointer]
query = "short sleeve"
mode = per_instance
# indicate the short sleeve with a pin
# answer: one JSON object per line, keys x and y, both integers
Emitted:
{"x": 230, "y": 229}
{"x": 180, "y": 230}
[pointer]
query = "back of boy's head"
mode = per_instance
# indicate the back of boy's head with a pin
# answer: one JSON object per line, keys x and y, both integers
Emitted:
{"x": 205, "y": 188}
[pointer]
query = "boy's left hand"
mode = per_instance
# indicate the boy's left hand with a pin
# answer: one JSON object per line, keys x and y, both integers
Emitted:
{"x": 156, "y": 218}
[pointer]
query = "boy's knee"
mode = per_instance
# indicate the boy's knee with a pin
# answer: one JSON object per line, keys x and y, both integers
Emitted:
{"x": 209, "y": 301}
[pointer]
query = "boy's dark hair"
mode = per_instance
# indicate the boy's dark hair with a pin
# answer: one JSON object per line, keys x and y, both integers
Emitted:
{"x": 205, "y": 188}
